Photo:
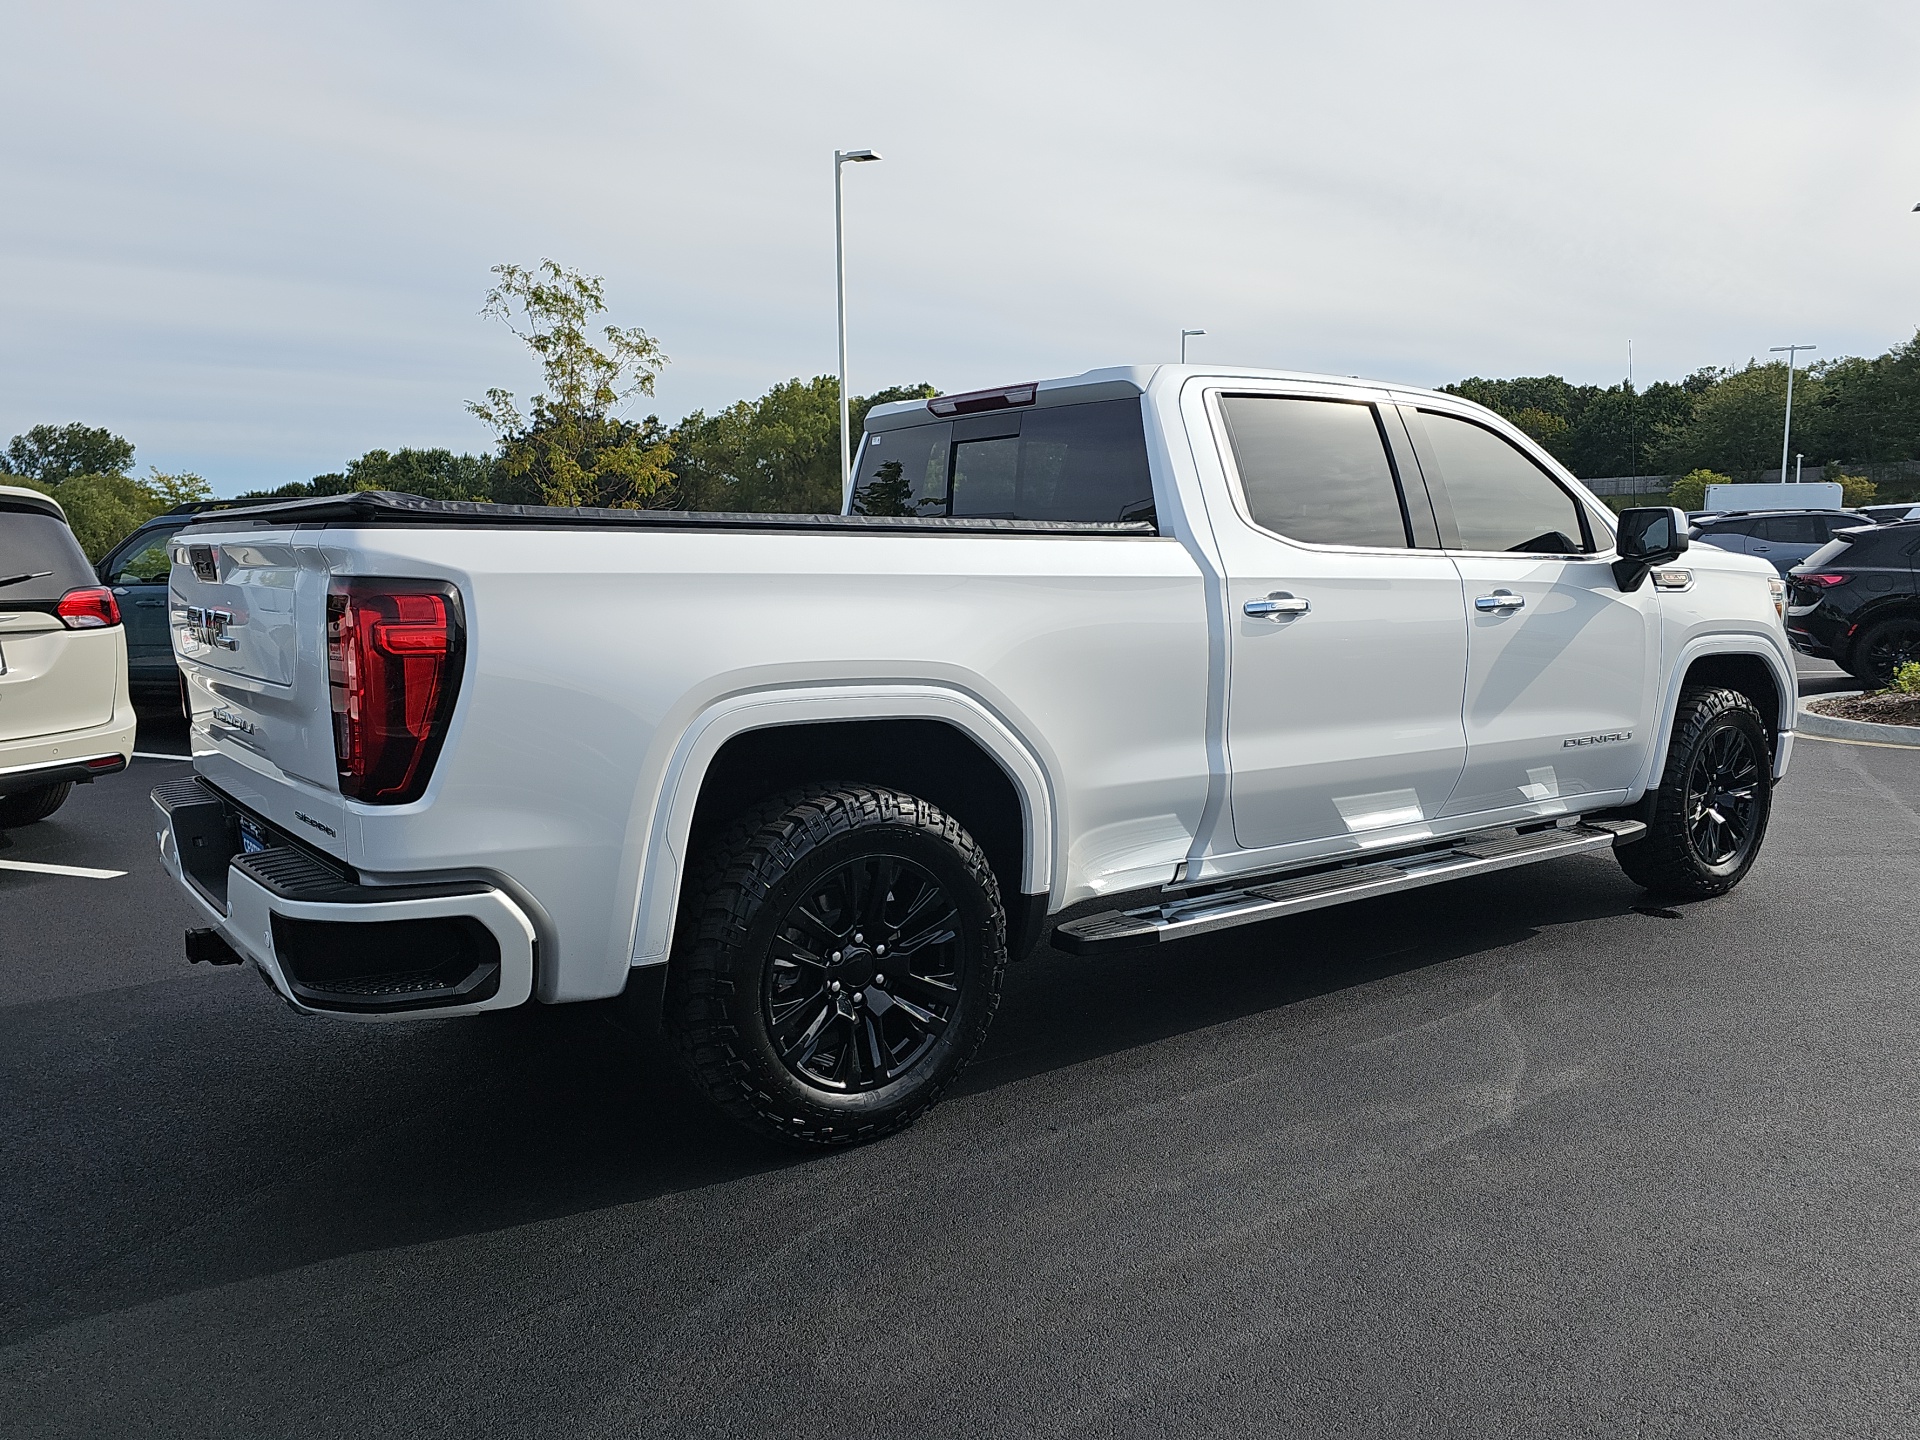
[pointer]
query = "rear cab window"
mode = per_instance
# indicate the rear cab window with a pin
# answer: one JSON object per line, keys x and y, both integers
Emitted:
{"x": 39, "y": 559}
{"x": 1320, "y": 471}
{"x": 1078, "y": 462}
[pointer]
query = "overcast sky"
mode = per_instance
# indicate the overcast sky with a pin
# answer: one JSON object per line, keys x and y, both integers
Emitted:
{"x": 254, "y": 239}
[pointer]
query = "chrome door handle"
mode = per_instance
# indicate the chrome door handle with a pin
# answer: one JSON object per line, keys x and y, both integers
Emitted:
{"x": 1499, "y": 600}
{"x": 1277, "y": 606}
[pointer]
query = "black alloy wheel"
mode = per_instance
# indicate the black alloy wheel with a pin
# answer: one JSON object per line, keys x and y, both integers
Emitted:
{"x": 866, "y": 973}
{"x": 1723, "y": 790}
{"x": 1885, "y": 648}
{"x": 1708, "y": 814}
{"x": 837, "y": 964}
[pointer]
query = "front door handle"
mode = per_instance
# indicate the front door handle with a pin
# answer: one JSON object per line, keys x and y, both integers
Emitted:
{"x": 1277, "y": 606}
{"x": 1499, "y": 601}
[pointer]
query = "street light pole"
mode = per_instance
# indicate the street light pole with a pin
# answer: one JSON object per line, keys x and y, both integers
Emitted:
{"x": 1183, "y": 343}
{"x": 843, "y": 157}
{"x": 1786, "y": 435}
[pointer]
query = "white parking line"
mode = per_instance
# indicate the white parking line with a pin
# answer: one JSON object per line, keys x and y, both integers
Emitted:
{"x": 79, "y": 872}
{"x": 150, "y": 755}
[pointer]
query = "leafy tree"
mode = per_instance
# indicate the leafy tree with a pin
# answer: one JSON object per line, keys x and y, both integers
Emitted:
{"x": 1549, "y": 430}
{"x": 568, "y": 448}
{"x": 1855, "y": 490}
{"x": 436, "y": 474}
{"x": 1689, "y": 492}
{"x": 779, "y": 453}
{"x": 1547, "y": 393}
{"x": 52, "y": 453}
{"x": 1869, "y": 410}
{"x": 1737, "y": 422}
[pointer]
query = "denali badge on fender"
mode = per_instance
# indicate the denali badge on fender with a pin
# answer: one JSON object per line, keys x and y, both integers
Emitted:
{"x": 1611, "y": 738}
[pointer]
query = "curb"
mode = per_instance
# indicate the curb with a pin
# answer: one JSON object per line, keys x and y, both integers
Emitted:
{"x": 1832, "y": 727}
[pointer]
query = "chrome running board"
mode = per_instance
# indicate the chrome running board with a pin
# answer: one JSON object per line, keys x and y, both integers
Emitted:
{"x": 1115, "y": 930}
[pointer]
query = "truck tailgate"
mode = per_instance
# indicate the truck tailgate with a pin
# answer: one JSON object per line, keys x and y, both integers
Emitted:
{"x": 248, "y": 622}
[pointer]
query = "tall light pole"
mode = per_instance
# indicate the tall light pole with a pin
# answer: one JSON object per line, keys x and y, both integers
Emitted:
{"x": 1786, "y": 436}
{"x": 1183, "y": 343}
{"x": 844, "y": 157}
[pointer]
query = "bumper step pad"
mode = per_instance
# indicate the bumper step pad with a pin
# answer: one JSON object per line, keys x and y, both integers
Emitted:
{"x": 1112, "y": 931}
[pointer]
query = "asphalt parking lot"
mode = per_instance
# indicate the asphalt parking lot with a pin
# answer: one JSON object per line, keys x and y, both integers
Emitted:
{"x": 1523, "y": 1155}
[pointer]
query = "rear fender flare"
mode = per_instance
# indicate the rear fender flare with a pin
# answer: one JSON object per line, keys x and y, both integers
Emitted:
{"x": 686, "y": 771}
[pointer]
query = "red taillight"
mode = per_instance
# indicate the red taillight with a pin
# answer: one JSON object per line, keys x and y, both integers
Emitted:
{"x": 90, "y": 609}
{"x": 394, "y": 652}
{"x": 1823, "y": 582}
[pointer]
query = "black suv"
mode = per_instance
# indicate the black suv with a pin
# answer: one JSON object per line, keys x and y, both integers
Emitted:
{"x": 1854, "y": 602}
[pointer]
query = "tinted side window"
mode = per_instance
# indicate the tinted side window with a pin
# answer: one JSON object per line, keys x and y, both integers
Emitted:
{"x": 1792, "y": 530}
{"x": 1315, "y": 470}
{"x": 1065, "y": 462}
{"x": 33, "y": 542}
{"x": 147, "y": 563}
{"x": 1501, "y": 500}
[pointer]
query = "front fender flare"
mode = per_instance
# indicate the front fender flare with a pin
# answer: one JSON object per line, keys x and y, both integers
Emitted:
{"x": 1785, "y": 683}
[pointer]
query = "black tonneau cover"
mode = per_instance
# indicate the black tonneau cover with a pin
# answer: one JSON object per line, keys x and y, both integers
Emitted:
{"x": 386, "y": 507}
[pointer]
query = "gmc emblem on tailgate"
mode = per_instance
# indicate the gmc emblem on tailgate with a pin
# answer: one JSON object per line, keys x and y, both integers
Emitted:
{"x": 210, "y": 627}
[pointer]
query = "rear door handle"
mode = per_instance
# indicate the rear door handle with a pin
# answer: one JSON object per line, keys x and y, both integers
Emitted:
{"x": 1277, "y": 606}
{"x": 1499, "y": 600}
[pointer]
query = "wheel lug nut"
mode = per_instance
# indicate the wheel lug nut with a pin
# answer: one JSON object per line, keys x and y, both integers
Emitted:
{"x": 879, "y": 949}
{"x": 836, "y": 957}
{"x": 859, "y": 939}
{"x": 834, "y": 986}
{"x": 879, "y": 979}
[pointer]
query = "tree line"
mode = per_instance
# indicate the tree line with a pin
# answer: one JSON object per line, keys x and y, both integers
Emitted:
{"x": 569, "y": 445}
{"x": 87, "y": 469}
{"x": 1847, "y": 412}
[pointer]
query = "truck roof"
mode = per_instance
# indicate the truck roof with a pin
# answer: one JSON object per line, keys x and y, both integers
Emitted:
{"x": 1112, "y": 383}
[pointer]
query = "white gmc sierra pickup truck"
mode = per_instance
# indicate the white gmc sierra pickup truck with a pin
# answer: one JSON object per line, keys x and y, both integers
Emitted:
{"x": 1109, "y": 660}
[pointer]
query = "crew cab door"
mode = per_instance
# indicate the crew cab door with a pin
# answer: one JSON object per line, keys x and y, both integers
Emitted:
{"x": 1561, "y": 663}
{"x": 1346, "y": 629}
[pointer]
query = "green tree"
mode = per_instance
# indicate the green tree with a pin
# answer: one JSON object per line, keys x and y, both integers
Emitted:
{"x": 52, "y": 453}
{"x": 434, "y": 474}
{"x": 568, "y": 448}
{"x": 1548, "y": 430}
{"x": 778, "y": 453}
{"x": 1736, "y": 424}
{"x": 1689, "y": 492}
{"x": 1550, "y": 394}
{"x": 1868, "y": 410}
{"x": 1855, "y": 490}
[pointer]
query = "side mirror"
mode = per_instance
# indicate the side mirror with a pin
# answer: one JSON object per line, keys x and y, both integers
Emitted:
{"x": 1647, "y": 538}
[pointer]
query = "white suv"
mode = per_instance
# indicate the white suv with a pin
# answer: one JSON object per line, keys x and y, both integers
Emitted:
{"x": 65, "y": 716}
